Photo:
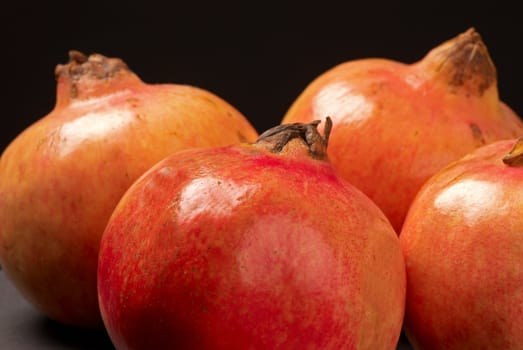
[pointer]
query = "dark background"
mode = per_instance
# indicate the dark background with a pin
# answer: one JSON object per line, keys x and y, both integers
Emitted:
{"x": 257, "y": 57}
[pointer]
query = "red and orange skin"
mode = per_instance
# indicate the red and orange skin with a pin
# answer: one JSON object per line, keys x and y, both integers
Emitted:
{"x": 396, "y": 124}
{"x": 61, "y": 178}
{"x": 463, "y": 247}
{"x": 239, "y": 247}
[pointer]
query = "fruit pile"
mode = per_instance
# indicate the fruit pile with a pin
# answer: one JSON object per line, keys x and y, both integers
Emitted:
{"x": 388, "y": 199}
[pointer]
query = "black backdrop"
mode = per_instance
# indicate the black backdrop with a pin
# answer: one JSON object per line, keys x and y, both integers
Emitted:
{"x": 256, "y": 56}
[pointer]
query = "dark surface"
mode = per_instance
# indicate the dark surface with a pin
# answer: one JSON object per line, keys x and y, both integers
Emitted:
{"x": 23, "y": 328}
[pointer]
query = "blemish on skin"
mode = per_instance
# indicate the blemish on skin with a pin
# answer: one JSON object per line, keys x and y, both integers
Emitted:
{"x": 477, "y": 134}
{"x": 209, "y": 100}
{"x": 241, "y": 137}
{"x": 74, "y": 90}
{"x": 133, "y": 101}
{"x": 204, "y": 308}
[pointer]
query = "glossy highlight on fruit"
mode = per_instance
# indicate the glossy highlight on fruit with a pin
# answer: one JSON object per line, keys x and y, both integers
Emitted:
{"x": 61, "y": 178}
{"x": 251, "y": 246}
{"x": 396, "y": 124}
{"x": 463, "y": 247}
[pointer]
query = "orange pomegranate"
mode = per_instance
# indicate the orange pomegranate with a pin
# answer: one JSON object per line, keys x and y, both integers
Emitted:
{"x": 61, "y": 177}
{"x": 396, "y": 124}
{"x": 463, "y": 246}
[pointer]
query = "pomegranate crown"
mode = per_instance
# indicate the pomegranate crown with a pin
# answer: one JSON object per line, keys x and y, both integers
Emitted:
{"x": 95, "y": 65}
{"x": 279, "y": 136}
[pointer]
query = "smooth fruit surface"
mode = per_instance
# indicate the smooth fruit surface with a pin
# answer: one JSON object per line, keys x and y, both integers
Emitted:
{"x": 396, "y": 124}
{"x": 463, "y": 247}
{"x": 241, "y": 248}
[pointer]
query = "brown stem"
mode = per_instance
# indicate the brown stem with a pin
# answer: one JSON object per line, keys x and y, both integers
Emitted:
{"x": 277, "y": 137}
{"x": 515, "y": 156}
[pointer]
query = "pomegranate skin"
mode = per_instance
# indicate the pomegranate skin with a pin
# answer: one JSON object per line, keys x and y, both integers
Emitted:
{"x": 61, "y": 178}
{"x": 396, "y": 124}
{"x": 463, "y": 247}
{"x": 239, "y": 248}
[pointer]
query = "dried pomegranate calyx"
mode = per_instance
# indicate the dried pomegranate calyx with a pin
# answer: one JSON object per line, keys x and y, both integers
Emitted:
{"x": 464, "y": 63}
{"x": 94, "y": 65}
{"x": 277, "y": 137}
{"x": 515, "y": 156}
{"x": 85, "y": 77}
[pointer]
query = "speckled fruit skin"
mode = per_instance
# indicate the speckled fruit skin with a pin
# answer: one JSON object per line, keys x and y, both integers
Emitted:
{"x": 61, "y": 178}
{"x": 396, "y": 124}
{"x": 463, "y": 246}
{"x": 239, "y": 248}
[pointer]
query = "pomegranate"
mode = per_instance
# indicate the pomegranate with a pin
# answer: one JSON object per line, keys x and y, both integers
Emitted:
{"x": 463, "y": 245}
{"x": 61, "y": 178}
{"x": 396, "y": 124}
{"x": 251, "y": 246}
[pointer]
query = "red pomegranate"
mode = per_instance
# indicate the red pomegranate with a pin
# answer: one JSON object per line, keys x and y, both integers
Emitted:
{"x": 396, "y": 124}
{"x": 61, "y": 178}
{"x": 251, "y": 246}
{"x": 463, "y": 246}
